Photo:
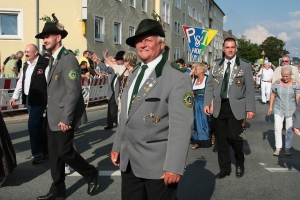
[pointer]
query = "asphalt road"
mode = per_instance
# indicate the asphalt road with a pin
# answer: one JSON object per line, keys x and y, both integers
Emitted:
{"x": 266, "y": 176}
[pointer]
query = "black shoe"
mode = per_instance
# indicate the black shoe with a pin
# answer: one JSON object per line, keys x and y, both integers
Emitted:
{"x": 92, "y": 185}
{"x": 108, "y": 127}
{"x": 51, "y": 196}
{"x": 240, "y": 170}
{"x": 37, "y": 160}
{"x": 2, "y": 181}
{"x": 222, "y": 174}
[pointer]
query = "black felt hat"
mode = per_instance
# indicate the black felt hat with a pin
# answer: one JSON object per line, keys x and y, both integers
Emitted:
{"x": 119, "y": 55}
{"x": 53, "y": 27}
{"x": 146, "y": 26}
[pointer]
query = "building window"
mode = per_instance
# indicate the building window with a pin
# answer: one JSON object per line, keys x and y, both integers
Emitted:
{"x": 200, "y": 1}
{"x": 131, "y": 31}
{"x": 199, "y": 17}
{"x": 177, "y": 28}
{"x": 183, "y": 45}
{"x": 195, "y": 13}
{"x": 190, "y": 10}
{"x": 144, "y": 5}
{"x": 99, "y": 28}
{"x": 132, "y": 3}
{"x": 184, "y": 18}
{"x": 117, "y": 33}
{"x": 177, "y": 4}
{"x": 176, "y": 53}
{"x": 184, "y": 1}
{"x": 166, "y": 12}
{"x": 11, "y": 24}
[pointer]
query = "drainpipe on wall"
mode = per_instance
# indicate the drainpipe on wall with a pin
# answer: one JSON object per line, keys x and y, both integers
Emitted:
{"x": 37, "y": 22}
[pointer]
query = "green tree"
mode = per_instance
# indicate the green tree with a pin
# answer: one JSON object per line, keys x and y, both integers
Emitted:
{"x": 274, "y": 49}
{"x": 247, "y": 50}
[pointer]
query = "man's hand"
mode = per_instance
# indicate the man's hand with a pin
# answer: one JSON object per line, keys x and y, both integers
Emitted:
{"x": 115, "y": 158}
{"x": 105, "y": 54}
{"x": 170, "y": 178}
{"x": 270, "y": 111}
{"x": 64, "y": 127}
{"x": 211, "y": 109}
{"x": 12, "y": 102}
{"x": 296, "y": 131}
{"x": 250, "y": 115}
{"x": 206, "y": 110}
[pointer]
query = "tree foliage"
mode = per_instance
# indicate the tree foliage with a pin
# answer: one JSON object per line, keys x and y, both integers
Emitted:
{"x": 274, "y": 49}
{"x": 247, "y": 50}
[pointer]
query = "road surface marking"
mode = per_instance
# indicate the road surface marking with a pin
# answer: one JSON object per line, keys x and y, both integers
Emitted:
{"x": 102, "y": 173}
{"x": 281, "y": 170}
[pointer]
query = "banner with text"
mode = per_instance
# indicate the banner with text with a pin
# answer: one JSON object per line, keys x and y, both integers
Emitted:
{"x": 198, "y": 39}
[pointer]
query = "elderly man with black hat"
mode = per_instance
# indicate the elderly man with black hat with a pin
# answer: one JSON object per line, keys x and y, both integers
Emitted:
{"x": 66, "y": 111}
{"x": 156, "y": 120}
{"x": 117, "y": 64}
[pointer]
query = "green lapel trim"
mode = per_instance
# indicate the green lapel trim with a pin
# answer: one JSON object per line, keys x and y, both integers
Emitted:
{"x": 237, "y": 61}
{"x": 220, "y": 64}
{"x": 63, "y": 50}
{"x": 159, "y": 67}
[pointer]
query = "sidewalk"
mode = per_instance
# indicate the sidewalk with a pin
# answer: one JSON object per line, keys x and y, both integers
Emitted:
{"x": 21, "y": 116}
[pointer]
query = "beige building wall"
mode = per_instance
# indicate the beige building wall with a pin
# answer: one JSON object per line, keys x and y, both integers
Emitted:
{"x": 68, "y": 13}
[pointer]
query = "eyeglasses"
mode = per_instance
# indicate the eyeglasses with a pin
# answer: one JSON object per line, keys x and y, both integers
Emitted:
{"x": 285, "y": 61}
{"x": 28, "y": 51}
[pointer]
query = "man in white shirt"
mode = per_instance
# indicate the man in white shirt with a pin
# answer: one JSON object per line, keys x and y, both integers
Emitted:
{"x": 32, "y": 85}
{"x": 266, "y": 75}
{"x": 286, "y": 60}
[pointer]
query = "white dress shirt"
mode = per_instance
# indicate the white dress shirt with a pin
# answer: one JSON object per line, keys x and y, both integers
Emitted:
{"x": 27, "y": 81}
{"x": 56, "y": 52}
{"x": 232, "y": 63}
{"x": 266, "y": 74}
{"x": 151, "y": 66}
{"x": 119, "y": 69}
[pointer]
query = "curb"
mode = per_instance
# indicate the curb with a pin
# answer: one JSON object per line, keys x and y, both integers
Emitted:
{"x": 22, "y": 115}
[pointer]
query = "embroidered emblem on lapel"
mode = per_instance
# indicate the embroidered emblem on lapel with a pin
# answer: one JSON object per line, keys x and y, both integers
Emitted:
{"x": 238, "y": 82}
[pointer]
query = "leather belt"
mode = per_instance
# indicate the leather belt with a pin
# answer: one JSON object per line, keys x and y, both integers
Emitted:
{"x": 224, "y": 100}
{"x": 264, "y": 81}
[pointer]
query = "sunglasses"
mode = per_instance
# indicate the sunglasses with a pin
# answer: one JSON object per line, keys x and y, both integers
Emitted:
{"x": 285, "y": 61}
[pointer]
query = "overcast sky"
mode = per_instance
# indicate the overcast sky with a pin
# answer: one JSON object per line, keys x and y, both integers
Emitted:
{"x": 258, "y": 19}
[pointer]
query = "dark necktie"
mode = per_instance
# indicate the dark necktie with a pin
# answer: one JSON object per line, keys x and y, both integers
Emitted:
{"x": 137, "y": 85}
{"x": 225, "y": 82}
{"x": 50, "y": 65}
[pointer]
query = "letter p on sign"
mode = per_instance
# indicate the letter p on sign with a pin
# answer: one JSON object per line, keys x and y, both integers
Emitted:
{"x": 189, "y": 33}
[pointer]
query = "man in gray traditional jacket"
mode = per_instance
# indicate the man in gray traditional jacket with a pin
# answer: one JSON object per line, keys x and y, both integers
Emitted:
{"x": 156, "y": 120}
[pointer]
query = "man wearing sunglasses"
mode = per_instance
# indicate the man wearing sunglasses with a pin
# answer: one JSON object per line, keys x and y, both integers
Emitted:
{"x": 286, "y": 61}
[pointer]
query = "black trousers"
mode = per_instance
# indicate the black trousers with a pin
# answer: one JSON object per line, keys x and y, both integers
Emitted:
{"x": 112, "y": 111}
{"x": 61, "y": 151}
{"x": 145, "y": 189}
{"x": 228, "y": 130}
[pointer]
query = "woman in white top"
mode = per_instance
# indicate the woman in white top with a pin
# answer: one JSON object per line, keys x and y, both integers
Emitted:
{"x": 200, "y": 134}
